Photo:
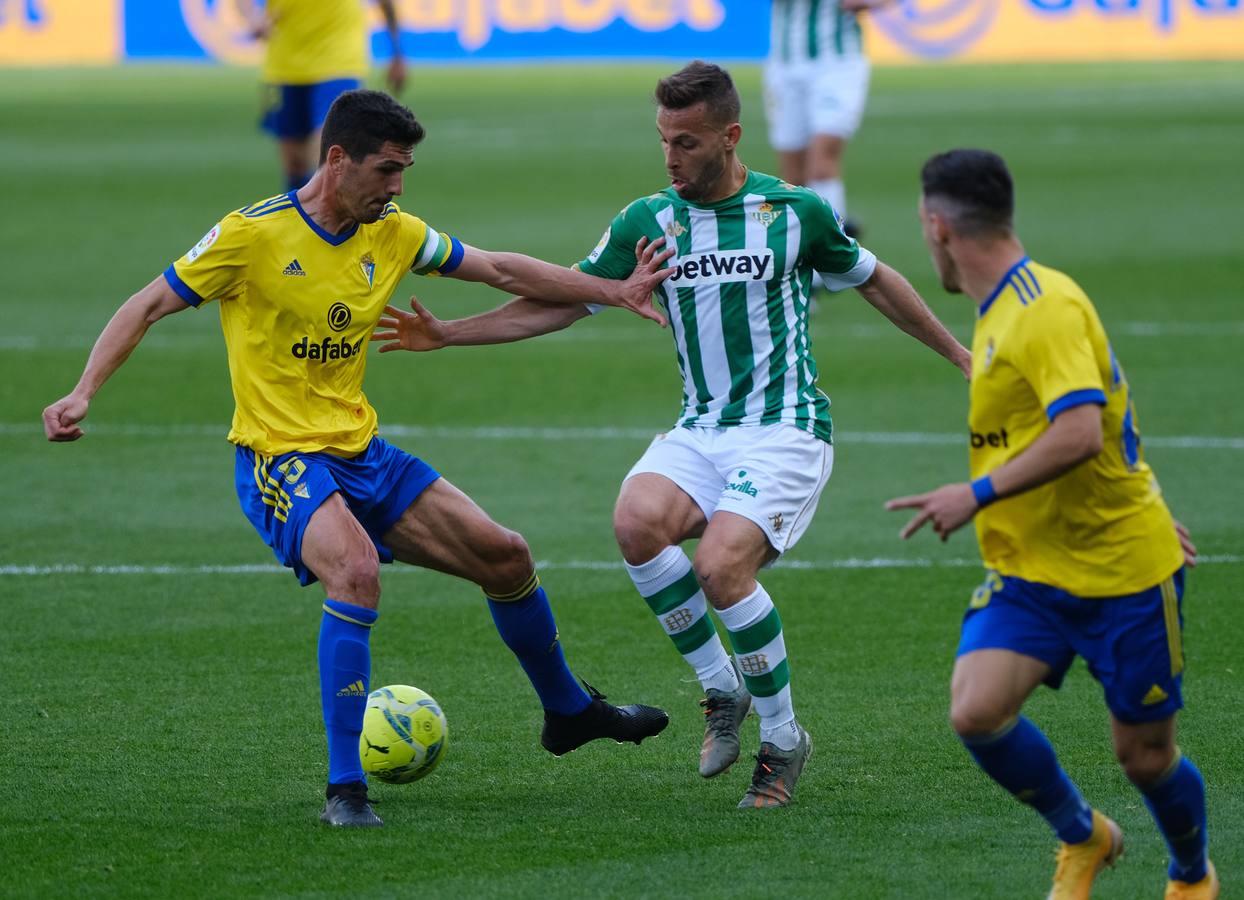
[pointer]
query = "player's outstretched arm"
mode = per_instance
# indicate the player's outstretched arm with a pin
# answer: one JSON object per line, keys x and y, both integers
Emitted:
{"x": 897, "y": 300}
{"x": 521, "y": 318}
{"x": 1073, "y": 437}
{"x": 113, "y": 346}
{"x": 528, "y": 277}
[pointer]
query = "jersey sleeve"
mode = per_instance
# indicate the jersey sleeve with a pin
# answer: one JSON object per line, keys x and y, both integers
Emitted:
{"x": 215, "y": 267}
{"x": 841, "y": 262}
{"x": 431, "y": 252}
{"x": 614, "y": 255}
{"x": 1056, "y": 356}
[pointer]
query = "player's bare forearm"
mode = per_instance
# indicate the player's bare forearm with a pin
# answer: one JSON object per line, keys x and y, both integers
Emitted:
{"x": 528, "y": 277}
{"x": 1072, "y": 438}
{"x": 113, "y": 346}
{"x": 124, "y": 331}
{"x": 421, "y": 331}
{"x": 517, "y": 320}
{"x": 894, "y": 297}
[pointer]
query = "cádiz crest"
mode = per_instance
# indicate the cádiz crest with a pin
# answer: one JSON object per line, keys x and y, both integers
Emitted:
{"x": 368, "y": 265}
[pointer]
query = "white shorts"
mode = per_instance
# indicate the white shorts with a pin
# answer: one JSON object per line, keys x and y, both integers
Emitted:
{"x": 772, "y": 475}
{"x": 805, "y": 99}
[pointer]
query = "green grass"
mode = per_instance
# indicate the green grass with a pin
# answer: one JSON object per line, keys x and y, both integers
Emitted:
{"x": 160, "y": 733}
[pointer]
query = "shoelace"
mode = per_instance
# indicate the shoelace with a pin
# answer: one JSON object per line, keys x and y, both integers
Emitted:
{"x": 714, "y": 705}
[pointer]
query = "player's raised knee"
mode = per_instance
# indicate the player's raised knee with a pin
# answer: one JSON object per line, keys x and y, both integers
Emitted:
{"x": 640, "y": 532}
{"x": 508, "y": 561}
{"x": 1145, "y": 764}
{"x": 973, "y": 719}
{"x": 355, "y": 579}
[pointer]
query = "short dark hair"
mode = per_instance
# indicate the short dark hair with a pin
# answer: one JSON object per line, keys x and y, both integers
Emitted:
{"x": 701, "y": 82}
{"x": 361, "y": 121}
{"x": 975, "y": 189}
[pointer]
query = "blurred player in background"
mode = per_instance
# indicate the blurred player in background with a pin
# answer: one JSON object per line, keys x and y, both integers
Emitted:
{"x": 816, "y": 85}
{"x": 1083, "y": 554}
{"x": 316, "y": 50}
{"x": 302, "y": 279}
{"x": 752, "y": 452}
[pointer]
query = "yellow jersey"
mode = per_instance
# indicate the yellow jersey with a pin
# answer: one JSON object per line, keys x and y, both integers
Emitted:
{"x": 1101, "y": 529}
{"x": 316, "y": 40}
{"x": 297, "y": 307}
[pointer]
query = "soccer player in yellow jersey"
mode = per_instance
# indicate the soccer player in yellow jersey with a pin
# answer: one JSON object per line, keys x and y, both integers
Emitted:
{"x": 301, "y": 280}
{"x": 1083, "y": 555}
{"x": 317, "y": 50}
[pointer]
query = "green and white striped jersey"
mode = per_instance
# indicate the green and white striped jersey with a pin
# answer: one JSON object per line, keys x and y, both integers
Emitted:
{"x": 738, "y": 302}
{"x": 813, "y": 31}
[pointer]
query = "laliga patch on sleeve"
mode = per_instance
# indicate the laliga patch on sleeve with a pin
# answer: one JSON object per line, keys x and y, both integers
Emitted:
{"x": 600, "y": 247}
{"x": 202, "y": 246}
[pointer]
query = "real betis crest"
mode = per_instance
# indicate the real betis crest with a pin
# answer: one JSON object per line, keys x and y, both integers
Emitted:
{"x": 765, "y": 214}
{"x": 368, "y": 265}
{"x": 675, "y": 229}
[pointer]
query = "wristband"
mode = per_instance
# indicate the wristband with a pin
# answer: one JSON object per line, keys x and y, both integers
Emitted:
{"x": 983, "y": 490}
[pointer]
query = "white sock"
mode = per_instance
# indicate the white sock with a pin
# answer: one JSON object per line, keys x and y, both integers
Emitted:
{"x": 760, "y": 650}
{"x": 834, "y": 192}
{"x": 670, "y": 589}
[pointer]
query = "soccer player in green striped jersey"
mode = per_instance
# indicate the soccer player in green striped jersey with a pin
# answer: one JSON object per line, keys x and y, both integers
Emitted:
{"x": 753, "y": 448}
{"x": 816, "y": 85}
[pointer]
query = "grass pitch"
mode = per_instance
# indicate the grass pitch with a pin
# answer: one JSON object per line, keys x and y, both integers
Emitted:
{"x": 160, "y": 722}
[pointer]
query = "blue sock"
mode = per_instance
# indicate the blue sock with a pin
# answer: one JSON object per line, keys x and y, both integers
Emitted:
{"x": 345, "y": 671}
{"x": 294, "y": 182}
{"x": 1177, "y": 802}
{"x": 526, "y": 624}
{"x": 1021, "y": 759}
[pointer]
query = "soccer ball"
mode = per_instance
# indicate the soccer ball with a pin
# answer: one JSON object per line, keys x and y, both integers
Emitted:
{"x": 404, "y": 734}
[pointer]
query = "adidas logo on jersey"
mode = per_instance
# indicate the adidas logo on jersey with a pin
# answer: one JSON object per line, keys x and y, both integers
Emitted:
{"x": 294, "y": 268}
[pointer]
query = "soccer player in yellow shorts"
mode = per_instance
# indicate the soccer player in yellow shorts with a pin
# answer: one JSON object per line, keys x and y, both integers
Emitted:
{"x": 301, "y": 280}
{"x": 1083, "y": 555}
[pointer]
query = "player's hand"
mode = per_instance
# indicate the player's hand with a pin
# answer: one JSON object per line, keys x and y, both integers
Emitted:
{"x": 395, "y": 75}
{"x": 259, "y": 26}
{"x": 636, "y": 292}
{"x": 418, "y": 331}
{"x": 1185, "y": 542}
{"x": 949, "y": 508}
{"x": 60, "y": 420}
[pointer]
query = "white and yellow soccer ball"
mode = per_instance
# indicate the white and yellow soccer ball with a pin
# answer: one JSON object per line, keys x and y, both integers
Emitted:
{"x": 404, "y": 734}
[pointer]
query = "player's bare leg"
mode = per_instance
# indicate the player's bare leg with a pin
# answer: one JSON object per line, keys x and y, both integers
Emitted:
{"x": 652, "y": 517}
{"x": 988, "y": 689}
{"x": 299, "y": 158}
{"x": 793, "y": 165}
{"x": 1175, "y": 794}
{"x": 824, "y": 172}
{"x": 338, "y": 551}
{"x": 445, "y": 530}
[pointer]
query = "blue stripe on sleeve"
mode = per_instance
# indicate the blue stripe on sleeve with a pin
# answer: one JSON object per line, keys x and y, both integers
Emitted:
{"x": 180, "y": 288}
{"x": 1074, "y": 399}
{"x": 455, "y": 257}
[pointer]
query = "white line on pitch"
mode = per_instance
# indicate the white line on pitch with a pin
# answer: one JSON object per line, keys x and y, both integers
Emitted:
{"x": 856, "y": 331}
{"x": 544, "y": 565}
{"x": 509, "y": 433}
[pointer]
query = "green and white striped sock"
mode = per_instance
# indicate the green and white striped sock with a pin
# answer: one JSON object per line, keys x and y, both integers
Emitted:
{"x": 755, "y": 630}
{"x": 671, "y": 591}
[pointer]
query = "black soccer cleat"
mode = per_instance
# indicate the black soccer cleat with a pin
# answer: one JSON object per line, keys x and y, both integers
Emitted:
{"x": 633, "y": 723}
{"x": 349, "y": 806}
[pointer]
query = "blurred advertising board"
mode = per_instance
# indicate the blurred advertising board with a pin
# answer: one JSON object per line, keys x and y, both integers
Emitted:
{"x": 58, "y": 32}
